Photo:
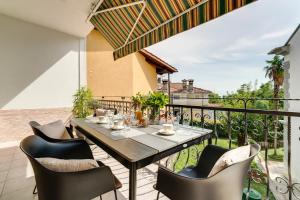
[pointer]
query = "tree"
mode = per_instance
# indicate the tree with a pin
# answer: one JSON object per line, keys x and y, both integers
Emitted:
{"x": 255, "y": 130}
{"x": 275, "y": 72}
{"x": 214, "y": 98}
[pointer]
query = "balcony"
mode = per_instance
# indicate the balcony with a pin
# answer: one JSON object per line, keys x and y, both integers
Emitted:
{"x": 232, "y": 126}
{"x": 66, "y": 45}
{"x": 273, "y": 179}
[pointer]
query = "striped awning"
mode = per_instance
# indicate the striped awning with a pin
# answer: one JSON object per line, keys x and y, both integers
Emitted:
{"x": 131, "y": 25}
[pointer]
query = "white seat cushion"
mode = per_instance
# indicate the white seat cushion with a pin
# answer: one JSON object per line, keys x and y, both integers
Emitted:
{"x": 56, "y": 130}
{"x": 229, "y": 158}
{"x": 61, "y": 165}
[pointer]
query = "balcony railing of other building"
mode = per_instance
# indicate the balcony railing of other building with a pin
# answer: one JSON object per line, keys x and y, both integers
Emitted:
{"x": 239, "y": 126}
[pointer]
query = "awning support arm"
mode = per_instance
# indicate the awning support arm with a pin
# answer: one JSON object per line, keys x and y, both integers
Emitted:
{"x": 166, "y": 22}
{"x": 94, "y": 10}
{"x": 136, "y": 22}
{"x": 119, "y": 7}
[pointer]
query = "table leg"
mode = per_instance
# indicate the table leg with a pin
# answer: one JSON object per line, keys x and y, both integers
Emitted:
{"x": 132, "y": 182}
{"x": 210, "y": 140}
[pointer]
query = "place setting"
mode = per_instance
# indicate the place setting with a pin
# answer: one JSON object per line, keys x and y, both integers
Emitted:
{"x": 167, "y": 130}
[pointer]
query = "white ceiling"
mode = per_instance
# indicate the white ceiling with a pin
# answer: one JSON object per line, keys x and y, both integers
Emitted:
{"x": 63, "y": 15}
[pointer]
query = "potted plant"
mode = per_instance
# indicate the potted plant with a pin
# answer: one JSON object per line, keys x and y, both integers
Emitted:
{"x": 155, "y": 101}
{"x": 82, "y": 99}
{"x": 139, "y": 105}
{"x": 137, "y": 101}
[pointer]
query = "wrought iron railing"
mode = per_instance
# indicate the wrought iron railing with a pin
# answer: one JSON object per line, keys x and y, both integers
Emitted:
{"x": 239, "y": 126}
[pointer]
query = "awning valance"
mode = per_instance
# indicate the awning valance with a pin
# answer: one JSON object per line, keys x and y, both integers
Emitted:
{"x": 131, "y": 25}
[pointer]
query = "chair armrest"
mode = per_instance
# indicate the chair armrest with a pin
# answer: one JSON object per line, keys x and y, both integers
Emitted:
{"x": 70, "y": 131}
{"x": 178, "y": 187}
{"x": 69, "y": 149}
{"x": 80, "y": 185}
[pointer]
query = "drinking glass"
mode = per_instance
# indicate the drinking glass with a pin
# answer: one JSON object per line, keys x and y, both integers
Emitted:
{"x": 110, "y": 116}
{"x": 176, "y": 121}
{"x": 133, "y": 119}
{"x": 186, "y": 122}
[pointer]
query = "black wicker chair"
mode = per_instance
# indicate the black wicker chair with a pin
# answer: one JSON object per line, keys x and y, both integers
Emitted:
{"x": 80, "y": 185}
{"x": 194, "y": 183}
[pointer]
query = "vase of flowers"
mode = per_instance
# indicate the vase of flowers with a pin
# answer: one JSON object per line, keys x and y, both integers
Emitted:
{"x": 155, "y": 101}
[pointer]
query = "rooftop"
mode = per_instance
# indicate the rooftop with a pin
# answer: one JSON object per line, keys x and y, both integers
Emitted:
{"x": 162, "y": 66}
{"x": 178, "y": 88}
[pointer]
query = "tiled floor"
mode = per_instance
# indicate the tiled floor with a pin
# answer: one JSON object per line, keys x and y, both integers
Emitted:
{"x": 17, "y": 180}
{"x": 14, "y": 123}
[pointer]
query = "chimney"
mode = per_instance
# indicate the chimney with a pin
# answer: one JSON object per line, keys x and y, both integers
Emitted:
{"x": 191, "y": 85}
{"x": 184, "y": 85}
{"x": 165, "y": 85}
{"x": 159, "y": 80}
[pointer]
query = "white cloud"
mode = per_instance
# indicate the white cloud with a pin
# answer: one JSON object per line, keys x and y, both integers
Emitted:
{"x": 190, "y": 60}
{"x": 224, "y": 53}
{"x": 241, "y": 44}
{"x": 277, "y": 34}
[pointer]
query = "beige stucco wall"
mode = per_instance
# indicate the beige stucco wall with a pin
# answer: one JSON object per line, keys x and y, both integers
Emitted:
{"x": 123, "y": 77}
{"x": 144, "y": 75}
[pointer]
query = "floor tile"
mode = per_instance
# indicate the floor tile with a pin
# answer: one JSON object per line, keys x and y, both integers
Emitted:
{"x": 22, "y": 162}
{"x": 5, "y": 159}
{"x": 1, "y": 187}
{"x": 3, "y": 175}
{"x": 13, "y": 185}
{"x": 7, "y": 151}
{"x": 22, "y": 194}
{"x": 19, "y": 172}
{"x": 4, "y": 166}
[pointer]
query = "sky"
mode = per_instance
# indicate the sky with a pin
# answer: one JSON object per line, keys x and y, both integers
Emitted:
{"x": 224, "y": 53}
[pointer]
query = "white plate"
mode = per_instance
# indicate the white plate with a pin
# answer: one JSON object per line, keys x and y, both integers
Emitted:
{"x": 163, "y": 132}
{"x": 117, "y": 127}
{"x": 94, "y": 120}
{"x": 90, "y": 117}
{"x": 102, "y": 122}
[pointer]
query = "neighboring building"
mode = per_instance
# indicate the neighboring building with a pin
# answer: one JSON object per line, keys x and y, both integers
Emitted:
{"x": 291, "y": 52}
{"x": 185, "y": 93}
{"x": 124, "y": 77}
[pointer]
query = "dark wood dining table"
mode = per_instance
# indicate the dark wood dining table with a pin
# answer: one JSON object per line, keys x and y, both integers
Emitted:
{"x": 136, "y": 147}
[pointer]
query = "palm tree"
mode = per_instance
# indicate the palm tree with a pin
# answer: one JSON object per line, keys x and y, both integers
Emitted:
{"x": 275, "y": 72}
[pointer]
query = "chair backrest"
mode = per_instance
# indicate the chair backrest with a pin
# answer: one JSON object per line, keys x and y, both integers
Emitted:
{"x": 208, "y": 158}
{"x": 49, "y": 182}
{"x": 34, "y": 126}
{"x": 229, "y": 183}
{"x": 34, "y": 147}
{"x": 36, "y": 131}
{"x": 225, "y": 185}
